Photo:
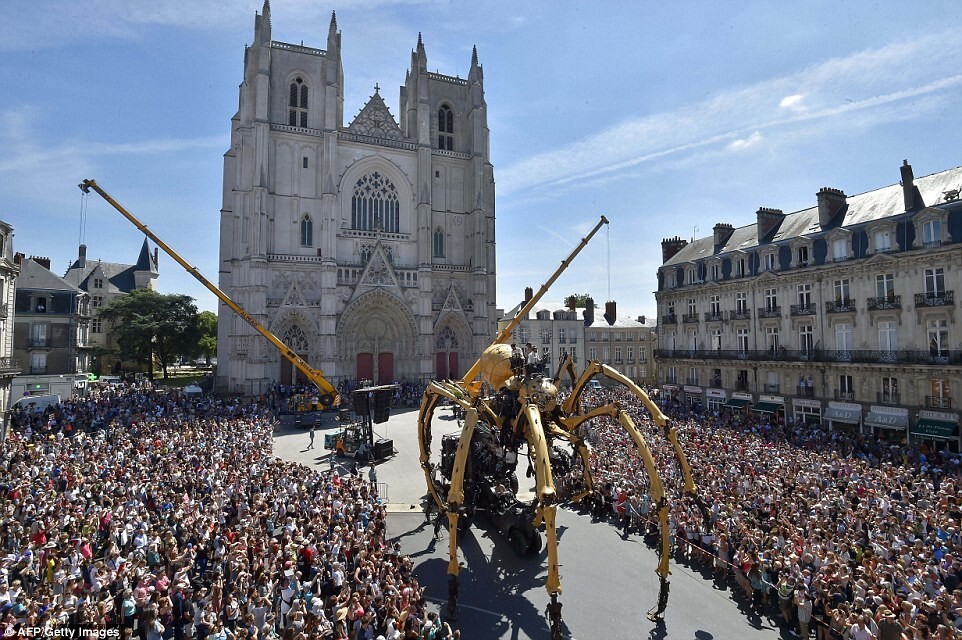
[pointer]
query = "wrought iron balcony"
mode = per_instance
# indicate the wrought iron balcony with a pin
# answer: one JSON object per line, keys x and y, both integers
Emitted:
{"x": 39, "y": 342}
{"x": 844, "y": 395}
{"x": 802, "y": 310}
{"x": 845, "y": 305}
{"x": 884, "y": 303}
{"x": 714, "y": 316}
{"x": 772, "y": 388}
{"x": 770, "y": 312}
{"x": 938, "y": 402}
{"x": 935, "y": 299}
{"x": 805, "y": 392}
{"x": 38, "y": 370}
{"x": 669, "y": 319}
{"x": 883, "y": 397}
{"x": 689, "y": 318}
{"x": 741, "y": 385}
{"x": 4, "y": 310}
{"x": 904, "y": 356}
{"x": 740, "y": 314}
{"x": 691, "y": 382}
{"x": 9, "y": 366}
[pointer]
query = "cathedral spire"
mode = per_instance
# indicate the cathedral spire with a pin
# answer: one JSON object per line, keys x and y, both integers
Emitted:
{"x": 475, "y": 74}
{"x": 332, "y": 30}
{"x": 262, "y": 23}
{"x": 422, "y": 57}
{"x": 333, "y": 37}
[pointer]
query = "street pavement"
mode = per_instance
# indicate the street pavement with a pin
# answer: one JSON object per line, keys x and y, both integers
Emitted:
{"x": 608, "y": 581}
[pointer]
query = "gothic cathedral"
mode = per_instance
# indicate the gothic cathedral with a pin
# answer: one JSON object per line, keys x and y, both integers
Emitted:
{"x": 368, "y": 249}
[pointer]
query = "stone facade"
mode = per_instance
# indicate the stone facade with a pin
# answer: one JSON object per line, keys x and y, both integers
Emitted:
{"x": 9, "y": 366}
{"x": 368, "y": 248}
{"x": 843, "y": 313}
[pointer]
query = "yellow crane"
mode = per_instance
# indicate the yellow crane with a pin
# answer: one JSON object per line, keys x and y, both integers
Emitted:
{"x": 328, "y": 394}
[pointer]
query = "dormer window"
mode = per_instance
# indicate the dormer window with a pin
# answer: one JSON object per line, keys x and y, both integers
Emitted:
{"x": 771, "y": 260}
{"x": 739, "y": 267}
{"x": 840, "y": 249}
{"x": 932, "y": 233}
{"x": 882, "y": 240}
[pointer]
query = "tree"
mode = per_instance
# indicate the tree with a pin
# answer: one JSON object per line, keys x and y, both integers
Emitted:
{"x": 579, "y": 299}
{"x": 207, "y": 345}
{"x": 150, "y": 327}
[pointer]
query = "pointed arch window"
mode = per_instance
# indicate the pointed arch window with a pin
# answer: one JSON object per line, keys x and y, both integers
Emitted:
{"x": 445, "y": 128}
{"x": 375, "y": 205}
{"x": 438, "y": 243}
{"x": 307, "y": 231}
{"x": 297, "y": 104}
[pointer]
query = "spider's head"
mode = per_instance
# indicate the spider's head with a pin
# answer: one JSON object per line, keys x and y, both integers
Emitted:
{"x": 540, "y": 391}
{"x": 496, "y": 365}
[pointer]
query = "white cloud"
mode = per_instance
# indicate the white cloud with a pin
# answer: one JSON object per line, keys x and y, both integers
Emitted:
{"x": 849, "y": 91}
{"x": 792, "y": 102}
{"x": 745, "y": 143}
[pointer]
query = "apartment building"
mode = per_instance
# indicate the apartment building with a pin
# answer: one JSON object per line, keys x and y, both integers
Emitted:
{"x": 843, "y": 314}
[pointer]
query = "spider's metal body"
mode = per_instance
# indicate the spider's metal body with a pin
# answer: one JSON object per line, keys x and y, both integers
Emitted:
{"x": 522, "y": 408}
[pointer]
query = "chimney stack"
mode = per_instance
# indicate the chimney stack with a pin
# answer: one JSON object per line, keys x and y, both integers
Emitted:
{"x": 641, "y": 319}
{"x": 43, "y": 262}
{"x": 830, "y": 203}
{"x": 589, "y": 312}
{"x": 18, "y": 258}
{"x": 528, "y": 294}
{"x": 82, "y": 256}
{"x": 611, "y": 312}
{"x": 768, "y": 220}
{"x": 671, "y": 246}
{"x": 723, "y": 231}
{"x": 910, "y": 193}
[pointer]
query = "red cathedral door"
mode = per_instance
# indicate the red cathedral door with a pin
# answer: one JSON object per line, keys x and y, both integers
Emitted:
{"x": 365, "y": 366}
{"x": 453, "y": 365}
{"x": 441, "y": 365}
{"x": 385, "y": 368}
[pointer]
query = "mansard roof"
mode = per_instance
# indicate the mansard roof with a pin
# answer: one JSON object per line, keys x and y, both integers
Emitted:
{"x": 120, "y": 277}
{"x": 864, "y": 208}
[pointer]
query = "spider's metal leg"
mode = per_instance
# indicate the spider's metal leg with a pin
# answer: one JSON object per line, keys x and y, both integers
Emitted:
{"x": 661, "y": 506}
{"x": 538, "y": 444}
{"x": 455, "y": 502}
{"x": 578, "y": 385}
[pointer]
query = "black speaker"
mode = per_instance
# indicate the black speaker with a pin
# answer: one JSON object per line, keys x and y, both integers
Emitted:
{"x": 361, "y": 407}
{"x": 381, "y": 410}
{"x": 383, "y": 448}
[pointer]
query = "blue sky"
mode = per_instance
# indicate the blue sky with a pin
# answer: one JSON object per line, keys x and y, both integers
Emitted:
{"x": 663, "y": 116}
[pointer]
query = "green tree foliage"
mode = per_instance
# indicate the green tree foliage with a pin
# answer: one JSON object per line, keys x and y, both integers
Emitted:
{"x": 150, "y": 327}
{"x": 207, "y": 345}
{"x": 580, "y": 299}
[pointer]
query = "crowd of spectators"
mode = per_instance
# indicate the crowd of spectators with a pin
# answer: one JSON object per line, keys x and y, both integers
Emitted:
{"x": 162, "y": 516}
{"x": 837, "y": 534}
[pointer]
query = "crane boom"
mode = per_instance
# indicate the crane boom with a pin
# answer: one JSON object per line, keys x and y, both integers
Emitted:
{"x": 316, "y": 376}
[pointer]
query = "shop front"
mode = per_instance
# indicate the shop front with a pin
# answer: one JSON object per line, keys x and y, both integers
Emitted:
{"x": 937, "y": 429}
{"x": 770, "y": 406}
{"x": 693, "y": 397}
{"x": 739, "y": 402}
{"x": 890, "y": 424}
{"x": 715, "y": 398}
{"x": 843, "y": 416}
{"x": 807, "y": 411}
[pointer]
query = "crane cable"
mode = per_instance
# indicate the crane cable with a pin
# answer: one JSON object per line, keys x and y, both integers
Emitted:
{"x": 83, "y": 217}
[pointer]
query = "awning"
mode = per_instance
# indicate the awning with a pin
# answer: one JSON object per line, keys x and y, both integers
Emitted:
{"x": 842, "y": 415}
{"x": 887, "y": 420}
{"x": 736, "y": 403}
{"x": 768, "y": 407}
{"x": 928, "y": 428}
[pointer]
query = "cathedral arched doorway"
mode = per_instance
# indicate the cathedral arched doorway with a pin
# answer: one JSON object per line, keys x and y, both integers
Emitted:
{"x": 446, "y": 361}
{"x": 296, "y": 339}
{"x": 376, "y": 339}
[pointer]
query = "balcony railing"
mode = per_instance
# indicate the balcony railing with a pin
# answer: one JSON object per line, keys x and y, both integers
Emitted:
{"x": 904, "y": 356}
{"x": 802, "y": 309}
{"x": 39, "y": 342}
{"x": 670, "y": 319}
{"x": 770, "y": 312}
{"x": 714, "y": 316}
{"x": 935, "y": 299}
{"x": 689, "y": 318}
{"x": 10, "y": 365}
{"x": 37, "y": 370}
{"x": 884, "y": 303}
{"x": 846, "y": 305}
{"x": 844, "y": 395}
{"x": 772, "y": 388}
{"x": 938, "y": 402}
{"x": 740, "y": 314}
{"x": 741, "y": 385}
{"x": 691, "y": 382}
{"x": 805, "y": 392}
{"x": 887, "y": 398}
{"x": 4, "y": 310}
